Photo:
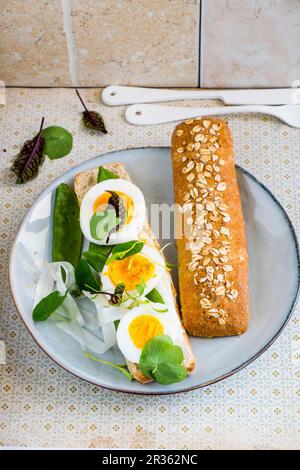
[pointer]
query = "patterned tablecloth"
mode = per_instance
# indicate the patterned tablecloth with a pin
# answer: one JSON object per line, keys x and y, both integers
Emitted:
{"x": 43, "y": 405}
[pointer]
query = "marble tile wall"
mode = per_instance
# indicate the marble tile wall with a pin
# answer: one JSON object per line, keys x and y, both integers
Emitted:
{"x": 33, "y": 50}
{"x": 250, "y": 43}
{"x": 180, "y": 43}
{"x": 137, "y": 42}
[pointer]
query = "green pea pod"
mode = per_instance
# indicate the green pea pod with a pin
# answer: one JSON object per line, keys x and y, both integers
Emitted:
{"x": 67, "y": 235}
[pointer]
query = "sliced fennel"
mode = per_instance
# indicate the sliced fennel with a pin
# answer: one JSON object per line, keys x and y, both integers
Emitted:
{"x": 71, "y": 316}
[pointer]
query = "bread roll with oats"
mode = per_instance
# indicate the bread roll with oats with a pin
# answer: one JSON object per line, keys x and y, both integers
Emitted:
{"x": 213, "y": 263}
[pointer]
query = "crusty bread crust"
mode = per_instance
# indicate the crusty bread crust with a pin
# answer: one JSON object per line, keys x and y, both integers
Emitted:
{"x": 213, "y": 278}
{"x": 82, "y": 183}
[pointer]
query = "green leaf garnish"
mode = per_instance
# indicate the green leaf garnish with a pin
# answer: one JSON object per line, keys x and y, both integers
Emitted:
{"x": 123, "y": 250}
{"x": 86, "y": 279}
{"x": 102, "y": 223}
{"x": 104, "y": 175}
{"x": 96, "y": 261}
{"x": 101, "y": 250}
{"x": 58, "y": 142}
{"x": 120, "y": 367}
{"x": 155, "y": 297}
{"x": 92, "y": 119}
{"x": 162, "y": 360}
{"x": 48, "y": 305}
{"x": 26, "y": 164}
{"x": 97, "y": 256}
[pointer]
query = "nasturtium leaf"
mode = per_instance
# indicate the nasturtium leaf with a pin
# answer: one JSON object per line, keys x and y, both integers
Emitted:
{"x": 162, "y": 360}
{"x": 123, "y": 250}
{"x": 26, "y": 164}
{"x": 48, "y": 305}
{"x": 104, "y": 174}
{"x": 168, "y": 373}
{"x": 58, "y": 142}
{"x": 85, "y": 278}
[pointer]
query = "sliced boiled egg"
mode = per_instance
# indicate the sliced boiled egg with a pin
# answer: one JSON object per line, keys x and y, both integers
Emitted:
{"x": 144, "y": 268}
{"x": 99, "y": 201}
{"x": 138, "y": 326}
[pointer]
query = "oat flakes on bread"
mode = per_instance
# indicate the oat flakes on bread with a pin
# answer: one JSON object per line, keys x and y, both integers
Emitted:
{"x": 213, "y": 275}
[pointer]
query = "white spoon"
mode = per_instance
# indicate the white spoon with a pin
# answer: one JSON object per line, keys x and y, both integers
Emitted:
{"x": 146, "y": 114}
{"x": 115, "y": 95}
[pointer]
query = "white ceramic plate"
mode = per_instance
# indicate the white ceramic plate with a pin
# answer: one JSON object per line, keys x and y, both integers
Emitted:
{"x": 273, "y": 277}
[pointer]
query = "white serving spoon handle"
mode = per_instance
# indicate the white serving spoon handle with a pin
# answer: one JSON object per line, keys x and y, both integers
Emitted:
{"x": 116, "y": 95}
{"x": 147, "y": 114}
{"x": 119, "y": 95}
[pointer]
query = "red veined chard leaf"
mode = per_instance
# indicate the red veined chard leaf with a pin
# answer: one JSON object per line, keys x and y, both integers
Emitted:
{"x": 27, "y": 162}
{"x": 92, "y": 119}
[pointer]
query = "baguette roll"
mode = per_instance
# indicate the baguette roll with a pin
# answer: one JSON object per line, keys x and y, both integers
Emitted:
{"x": 82, "y": 183}
{"x": 213, "y": 264}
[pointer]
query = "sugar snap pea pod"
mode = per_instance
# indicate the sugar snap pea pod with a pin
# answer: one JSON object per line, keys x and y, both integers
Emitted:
{"x": 67, "y": 235}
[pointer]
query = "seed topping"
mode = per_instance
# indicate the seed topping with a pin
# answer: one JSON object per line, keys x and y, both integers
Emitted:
{"x": 208, "y": 217}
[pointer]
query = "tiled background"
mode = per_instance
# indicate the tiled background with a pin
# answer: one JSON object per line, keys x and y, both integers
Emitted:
{"x": 181, "y": 43}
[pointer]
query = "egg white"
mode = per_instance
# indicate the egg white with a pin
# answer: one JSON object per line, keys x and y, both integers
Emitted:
{"x": 159, "y": 267}
{"x": 129, "y": 231}
{"x": 130, "y": 351}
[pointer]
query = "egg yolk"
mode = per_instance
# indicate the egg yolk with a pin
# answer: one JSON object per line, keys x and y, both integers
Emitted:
{"x": 130, "y": 271}
{"x": 102, "y": 201}
{"x": 143, "y": 328}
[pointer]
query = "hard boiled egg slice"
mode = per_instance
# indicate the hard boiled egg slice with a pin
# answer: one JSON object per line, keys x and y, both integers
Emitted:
{"x": 138, "y": 326}
{"x": 144, "y": 268}
{"x": 132, "y": 211}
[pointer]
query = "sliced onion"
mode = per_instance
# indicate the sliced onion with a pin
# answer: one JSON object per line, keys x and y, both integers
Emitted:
{"x": 80, "y": 319}
{"x": 44, "y": 286}
{"x": 110, "y": 314}
{"x": 88, "y": 312}
{"x": 71, "y": 307}
{"x": 52, "y": 274}
{"x": 87, "y": 340}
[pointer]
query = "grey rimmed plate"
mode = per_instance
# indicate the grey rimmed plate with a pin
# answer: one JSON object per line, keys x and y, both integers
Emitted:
{"x": 273, "y": 277}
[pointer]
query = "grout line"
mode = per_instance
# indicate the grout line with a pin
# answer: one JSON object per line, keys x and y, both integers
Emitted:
{"x": 199, "y": 45}
{"x": 68, "y": 30}
{"x": 96, "y": 87}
